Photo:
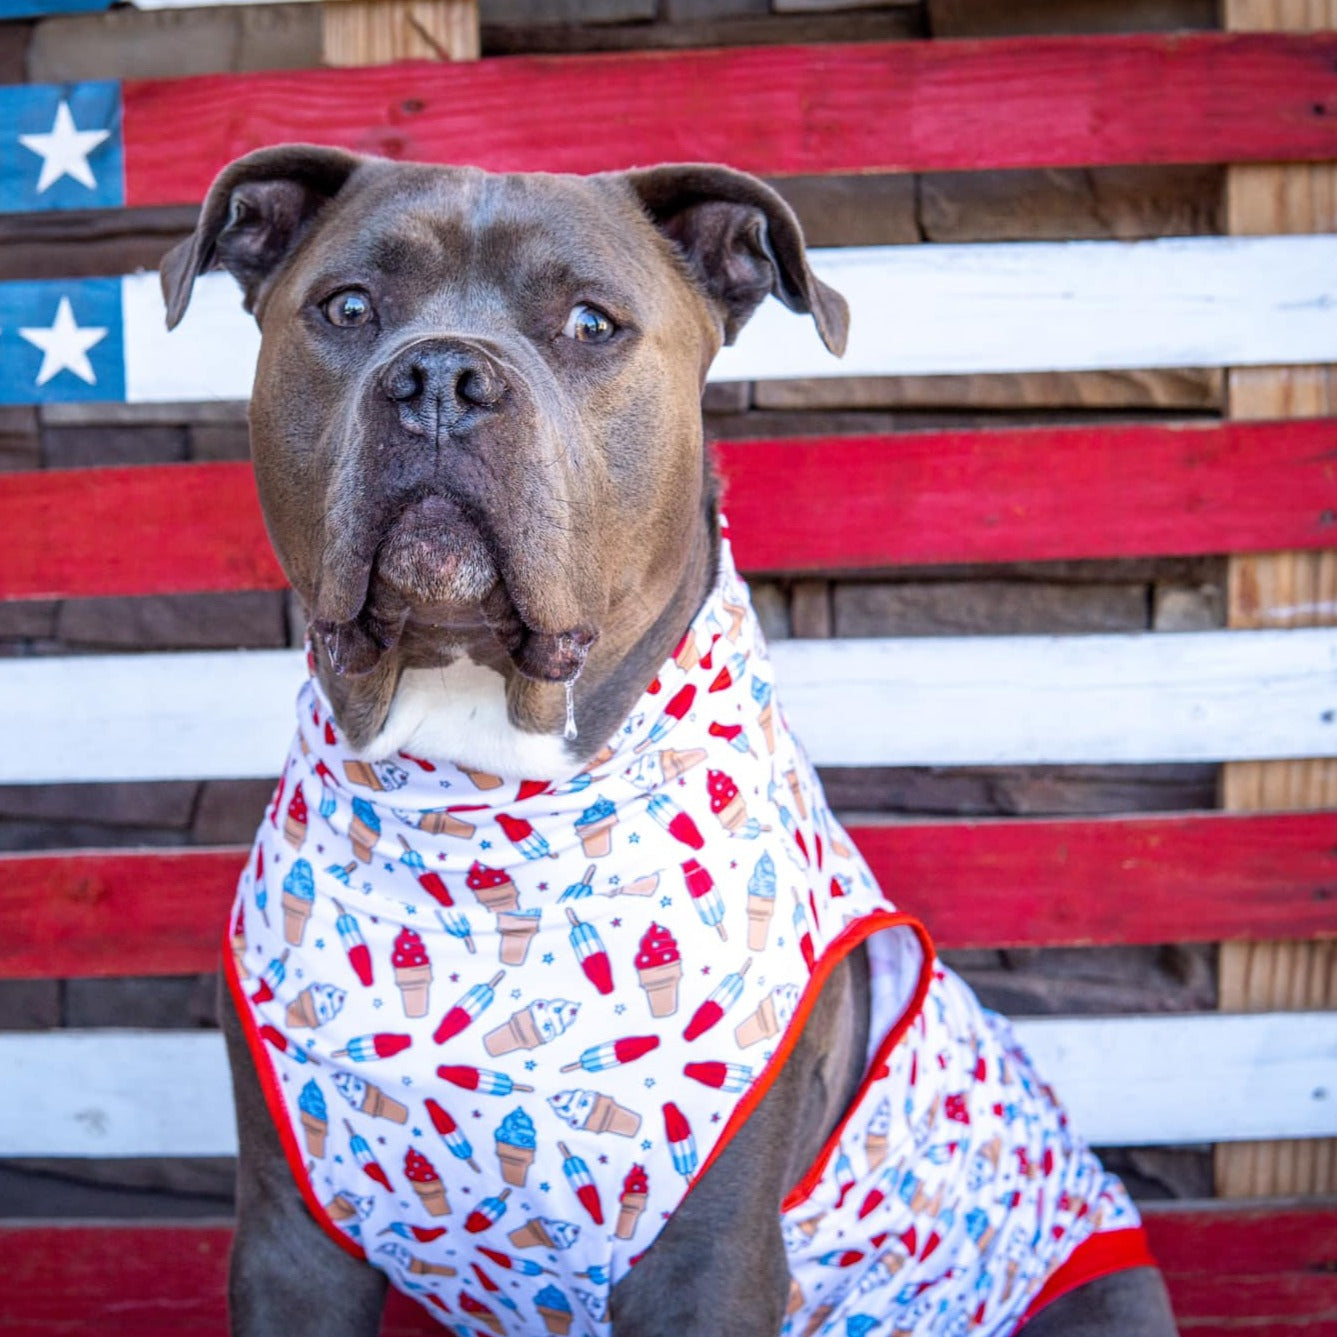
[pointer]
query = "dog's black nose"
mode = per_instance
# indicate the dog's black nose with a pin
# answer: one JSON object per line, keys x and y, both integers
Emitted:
{"x": 443, "y": 384}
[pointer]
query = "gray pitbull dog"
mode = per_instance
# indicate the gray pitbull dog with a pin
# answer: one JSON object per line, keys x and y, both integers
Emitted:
{"x": 466, "y": 381}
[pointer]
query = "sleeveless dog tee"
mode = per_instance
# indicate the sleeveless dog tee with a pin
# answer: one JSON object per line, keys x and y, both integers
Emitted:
{"x": 504, "y": 1025}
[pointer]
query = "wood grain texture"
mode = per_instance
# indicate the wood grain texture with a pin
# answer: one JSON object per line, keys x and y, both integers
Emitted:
{"x": 152, "y": 529}
{"x": 1283, "y": 589}
{"x": 894, "y": 701}
{"x": 776, "y": 111}
{"x": 934, "y": 497}
{"x": 1126, "y": 1081}
{"x": 991, "y": 883}
{"x": 62, "y": 1279}
{"x": 381, "y": 32}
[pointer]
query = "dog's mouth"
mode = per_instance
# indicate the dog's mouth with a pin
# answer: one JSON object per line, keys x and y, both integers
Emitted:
{"x": 435, "y": 566}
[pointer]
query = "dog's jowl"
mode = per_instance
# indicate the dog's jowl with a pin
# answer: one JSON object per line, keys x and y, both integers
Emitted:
{"x": 556, "y": 993}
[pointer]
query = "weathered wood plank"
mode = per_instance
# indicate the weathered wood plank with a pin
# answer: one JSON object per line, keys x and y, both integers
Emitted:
{"x": 63, "y": 1277}
{"x": 1280, "y": 589}
{"x": 993, "y": 883}
{"x": 776, "y": 111}
{"x": 975, "y": 700}
{"x": 915, "y": 310}
{"x": 1126, "y": 1081}
{"x": 934, "y": 497}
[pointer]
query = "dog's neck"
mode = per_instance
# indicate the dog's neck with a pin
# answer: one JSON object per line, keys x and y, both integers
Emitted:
{"x": 482, "y": 715}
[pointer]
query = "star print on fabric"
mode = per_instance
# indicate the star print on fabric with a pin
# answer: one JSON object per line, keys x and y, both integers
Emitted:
{"x": 545, "y": 1186}
{"x": 548, "y": 958}
{"x": 64, "y": 151}
{"x": 64, "y": 345}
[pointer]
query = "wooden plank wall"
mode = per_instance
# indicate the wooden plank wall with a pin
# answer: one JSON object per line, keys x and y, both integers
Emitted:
{"x": 943, "y": 207}
{"x": 1291, "y": 589}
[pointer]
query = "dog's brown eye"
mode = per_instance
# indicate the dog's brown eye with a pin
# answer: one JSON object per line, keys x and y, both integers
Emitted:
{"x": 588, "y": 325}
{"x": 350, "y": 307}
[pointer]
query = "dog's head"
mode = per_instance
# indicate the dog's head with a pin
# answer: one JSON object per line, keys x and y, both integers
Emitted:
{"x": 476, "y": 417}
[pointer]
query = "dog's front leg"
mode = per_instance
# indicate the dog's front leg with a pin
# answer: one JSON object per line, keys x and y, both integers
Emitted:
{"x": 287, "y": 1277}
{"x": 719, "y": 1264}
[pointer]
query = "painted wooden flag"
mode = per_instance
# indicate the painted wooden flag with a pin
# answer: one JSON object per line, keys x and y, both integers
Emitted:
{"x": 776, "y": 111}
{"x": 60, "y": 147}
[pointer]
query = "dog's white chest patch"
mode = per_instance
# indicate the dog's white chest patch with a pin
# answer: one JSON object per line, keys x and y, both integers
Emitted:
{"x": 459, "y": 713}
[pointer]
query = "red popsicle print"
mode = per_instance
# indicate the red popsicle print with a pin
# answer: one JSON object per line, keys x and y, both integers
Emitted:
{"x": 591, "y": 954}
{"x": 469, "y": 1006}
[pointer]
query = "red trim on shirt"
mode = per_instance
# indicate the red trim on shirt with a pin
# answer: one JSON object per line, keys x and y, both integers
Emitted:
{"x": 836, "y": 950}
{"x": 1099, "y": 1255}
{"x": 278, "y": 1107}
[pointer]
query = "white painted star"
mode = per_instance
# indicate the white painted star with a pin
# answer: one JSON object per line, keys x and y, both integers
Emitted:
{"x": 65, "y": 346}
{"x": 64, "y": 151}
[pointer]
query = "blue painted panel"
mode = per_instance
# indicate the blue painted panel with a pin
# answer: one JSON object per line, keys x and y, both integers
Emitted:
{"x": 28, "y": 9}
{"x": 60, "y": 147}
{"x": 87, "y": 313}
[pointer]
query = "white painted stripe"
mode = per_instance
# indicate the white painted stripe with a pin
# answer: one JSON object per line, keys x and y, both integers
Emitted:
{"x": 1126, "y": 1081}
{"x": 1207, "y": 696}
{"x": 1014, "y": 700}
{"x": 917, "y": 310}
{"x": 1214, "y": 1078}
{"x": 210, "y": 355}
{"x": 226, "y": 715}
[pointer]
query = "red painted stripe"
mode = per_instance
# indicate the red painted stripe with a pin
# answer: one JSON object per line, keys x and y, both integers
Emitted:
{"x": 159, "y": 1280}
{"x": 839, "y": 503}
{"x": 1032, "y": 494}
{"x": 1191, "y": 878}
{"x": 165, "y": 529}
{"x": 905, "y": 106}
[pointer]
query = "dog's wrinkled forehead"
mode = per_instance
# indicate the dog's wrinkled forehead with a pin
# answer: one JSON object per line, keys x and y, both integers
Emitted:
{"x": 460, "y": 237}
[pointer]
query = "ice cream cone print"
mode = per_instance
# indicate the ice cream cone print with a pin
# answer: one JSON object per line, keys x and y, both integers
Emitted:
{"x": 519, "y": 1032}
{"x": 341, "y": 1208}
{"x": 659, "y": 969}
{"x": 420, "y": 1267}
{"x": 795, "y": 1301}
{"x": 314, "y": 1006}
{"x": 629, "y": 1212}
{"x": 315, "y": 1131}
{"x": 369, "y": 1099}
{"x": 381, "y": 1106}
{"x": 364, "y": 830}
{"x": 493, "y": 888}
{"x": 532, "y": 1235}
{"x": 763, "y": 1024}
{"x": 797, "y": 790}
{"x": 677, "y": 763}
{"x": 767, "y": 721}
{"x": 687, "y": 656}
{"x": 426, "y": 1183}
{"x": 595, "y": 826}
{"x": 641, "y": 886}
{"x": 517, "y": 928}
{"x": 299, "y": 898}
{"x": 415, "y": 988}
{"x": 594, "y": 1112}
{"x": 516, "y": 1146}
{"x": 556, "y": 1321}
{"x": 442, "y": 822}
{"x": 239, "y": 946}
{"x": 608, "y": 1116}
{"x": 817, "y": 1319}
{"x": 296, "y": 821}
{"x": 296, "y": 912}
{"x": 483, "y": 780}
{"x": 534, "y": 1025}
{"x": 725, "y": 801}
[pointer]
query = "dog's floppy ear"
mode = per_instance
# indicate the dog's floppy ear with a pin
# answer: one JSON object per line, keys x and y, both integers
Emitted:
{"x": 742, "y": 243}
{"x": 256, "y": 211}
